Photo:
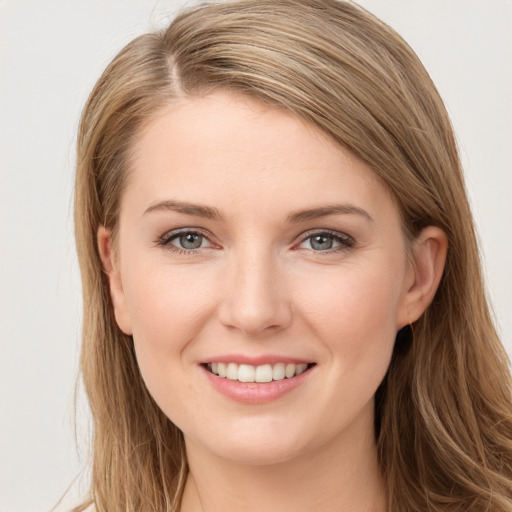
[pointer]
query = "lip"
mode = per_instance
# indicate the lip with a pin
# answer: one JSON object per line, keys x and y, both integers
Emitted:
{"x": 255, "y": 393}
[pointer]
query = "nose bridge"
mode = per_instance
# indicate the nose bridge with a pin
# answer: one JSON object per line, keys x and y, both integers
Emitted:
{"x": 255, "y": 299}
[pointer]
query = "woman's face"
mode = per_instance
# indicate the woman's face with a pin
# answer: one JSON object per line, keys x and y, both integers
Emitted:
{"x": 251, "y": 244}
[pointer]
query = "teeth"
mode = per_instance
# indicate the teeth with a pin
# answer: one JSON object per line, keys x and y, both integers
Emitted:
{"x": 301, "y": 368}
{"x": 290, "y": 370}
{"x": 278, "y": 371}
{"x": 246, "y": 373}
{"x": 262, "y": 373}
{"x": 221, "y": 369}
{"x": 232, "y": 371}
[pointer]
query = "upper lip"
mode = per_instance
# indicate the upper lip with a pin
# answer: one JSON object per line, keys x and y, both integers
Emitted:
{"x": 256, "y": 360}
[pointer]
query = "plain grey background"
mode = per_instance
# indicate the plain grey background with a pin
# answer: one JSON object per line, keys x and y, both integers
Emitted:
{"x": 51, "y": 53}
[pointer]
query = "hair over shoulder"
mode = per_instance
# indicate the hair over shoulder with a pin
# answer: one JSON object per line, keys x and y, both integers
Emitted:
{"x": 443, "y": 412}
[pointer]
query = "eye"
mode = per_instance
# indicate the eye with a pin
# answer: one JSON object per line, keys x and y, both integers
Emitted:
{"x": 326, "y": 241}
{"x": 185, "y": 241}
{"x": 189, "y": 241}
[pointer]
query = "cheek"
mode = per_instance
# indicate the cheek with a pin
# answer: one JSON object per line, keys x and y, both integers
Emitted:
{"x": 353, "y": 309}
{"x": 167, "y": 304}
{"x": 168, "y": 307}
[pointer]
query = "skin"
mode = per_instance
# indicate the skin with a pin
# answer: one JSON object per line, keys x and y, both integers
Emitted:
{"x": 257, "y": 286}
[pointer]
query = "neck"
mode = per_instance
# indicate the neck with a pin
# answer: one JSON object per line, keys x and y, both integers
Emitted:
{"x": 339, "y": 477}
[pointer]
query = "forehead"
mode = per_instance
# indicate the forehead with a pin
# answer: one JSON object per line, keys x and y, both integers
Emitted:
{"x": 230, "y": 147}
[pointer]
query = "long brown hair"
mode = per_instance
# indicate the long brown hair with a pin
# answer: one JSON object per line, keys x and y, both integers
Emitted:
{"x": 443, "y": 412}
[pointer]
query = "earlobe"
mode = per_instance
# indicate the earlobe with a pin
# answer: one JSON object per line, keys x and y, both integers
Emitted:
{"x": 428, "y": 260}
{"x": 111, "y": 267}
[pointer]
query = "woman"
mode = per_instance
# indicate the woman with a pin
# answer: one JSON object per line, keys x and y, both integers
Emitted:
{"x": 283, "y": 302}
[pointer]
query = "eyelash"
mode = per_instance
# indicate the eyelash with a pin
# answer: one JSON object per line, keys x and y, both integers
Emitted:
{"x": 167, "y": 238}
{"x": 345, "y": 242}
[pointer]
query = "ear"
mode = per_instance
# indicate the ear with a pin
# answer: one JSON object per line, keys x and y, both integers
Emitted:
{"x": 111, "y": 267}
{"x": 424, "y": 275}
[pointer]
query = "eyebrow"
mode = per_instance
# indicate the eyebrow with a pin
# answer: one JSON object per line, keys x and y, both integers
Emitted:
{"x": 324, "y": 211}
{"x": 211, "y": 213}
{"x": 196, "y": 210}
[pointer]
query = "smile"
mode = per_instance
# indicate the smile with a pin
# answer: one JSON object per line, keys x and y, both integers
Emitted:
{"x": 262, "y": 373}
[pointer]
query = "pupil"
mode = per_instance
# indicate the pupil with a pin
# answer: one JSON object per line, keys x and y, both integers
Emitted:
{"x": 321, "y": 243}
{"x": 191, "y": 241}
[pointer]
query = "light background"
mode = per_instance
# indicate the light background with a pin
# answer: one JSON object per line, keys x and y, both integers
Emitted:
{"x": 51, "y": 53}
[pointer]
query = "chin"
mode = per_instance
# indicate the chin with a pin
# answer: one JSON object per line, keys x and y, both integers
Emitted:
{"x": 257, "y": 447}
{"x": 258, "y": 455}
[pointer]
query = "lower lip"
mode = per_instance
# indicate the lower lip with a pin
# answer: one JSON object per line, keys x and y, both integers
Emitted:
{"x": 255, "y": 393}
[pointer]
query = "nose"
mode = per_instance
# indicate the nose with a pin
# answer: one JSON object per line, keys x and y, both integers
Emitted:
{"x": 255, "y": 300}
